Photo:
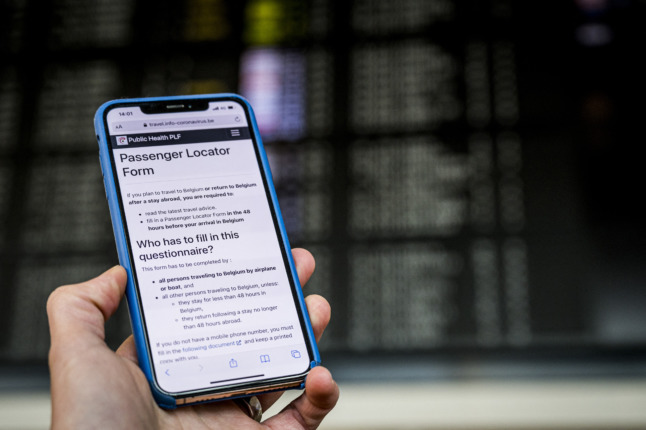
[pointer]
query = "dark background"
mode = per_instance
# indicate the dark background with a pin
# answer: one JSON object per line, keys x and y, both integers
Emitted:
{"x": 468, "y": 174}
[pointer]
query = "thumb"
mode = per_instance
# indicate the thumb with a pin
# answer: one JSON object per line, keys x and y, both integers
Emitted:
{"x": 77, "y": 313}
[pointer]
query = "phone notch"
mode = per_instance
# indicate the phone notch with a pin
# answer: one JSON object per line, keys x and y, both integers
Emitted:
{"x": 174, "y": 106}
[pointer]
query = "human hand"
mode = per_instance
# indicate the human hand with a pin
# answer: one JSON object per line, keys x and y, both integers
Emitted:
{"x": 95, "y": 387}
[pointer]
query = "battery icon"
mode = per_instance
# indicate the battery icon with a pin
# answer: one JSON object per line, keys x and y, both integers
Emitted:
{"x": 230, "y": 107}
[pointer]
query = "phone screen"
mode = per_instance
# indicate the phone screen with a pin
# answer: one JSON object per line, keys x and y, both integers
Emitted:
{"x": 215, "y": 289}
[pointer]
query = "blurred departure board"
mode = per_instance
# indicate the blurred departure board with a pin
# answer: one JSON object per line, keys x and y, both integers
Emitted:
{"x": 466, "y": 173}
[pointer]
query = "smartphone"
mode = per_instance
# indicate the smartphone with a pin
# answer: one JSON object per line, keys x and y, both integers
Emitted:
{"x": 215, "y": 304}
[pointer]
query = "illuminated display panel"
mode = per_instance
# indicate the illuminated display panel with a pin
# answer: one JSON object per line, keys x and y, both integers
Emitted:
{"x": 466, "y": 180}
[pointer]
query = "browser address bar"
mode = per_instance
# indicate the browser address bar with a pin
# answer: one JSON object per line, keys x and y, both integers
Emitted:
{"x": 182, "y": 122}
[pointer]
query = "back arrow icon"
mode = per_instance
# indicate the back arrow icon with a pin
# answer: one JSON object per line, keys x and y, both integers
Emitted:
{"x": 166, "y": 372}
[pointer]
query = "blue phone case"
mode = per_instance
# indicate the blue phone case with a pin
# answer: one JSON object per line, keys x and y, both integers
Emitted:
{"x": 164, "y": 399}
